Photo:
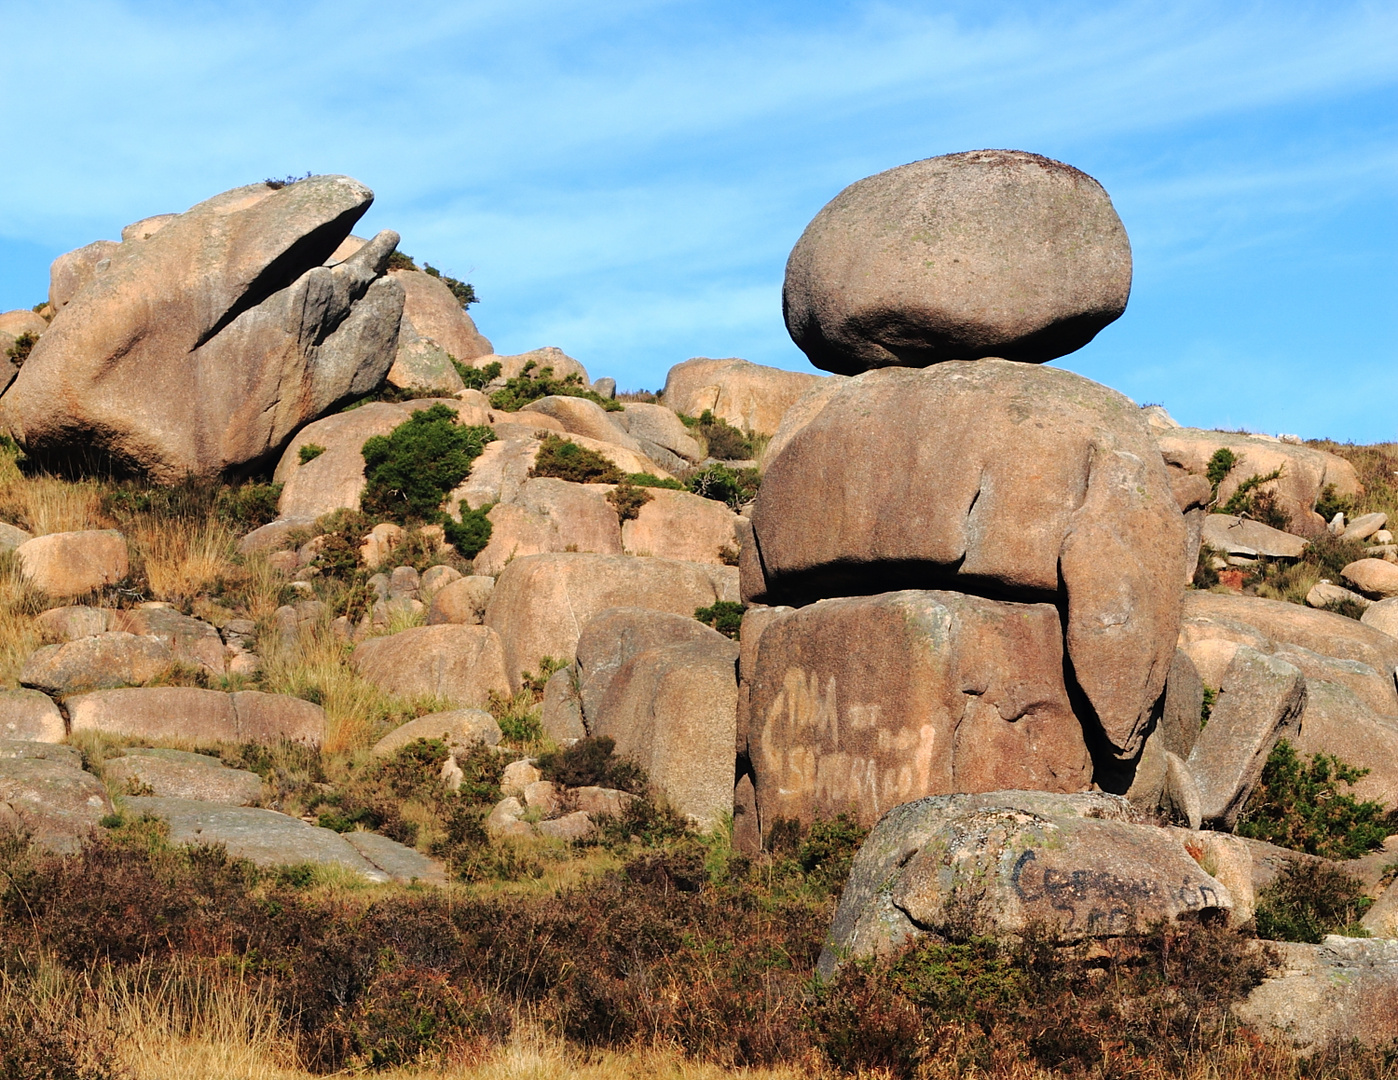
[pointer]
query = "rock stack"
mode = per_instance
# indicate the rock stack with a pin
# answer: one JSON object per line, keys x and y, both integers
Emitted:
{"x": 972, "y": 565}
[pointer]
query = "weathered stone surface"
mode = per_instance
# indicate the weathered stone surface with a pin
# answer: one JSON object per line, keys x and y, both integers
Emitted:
{"x": 1260, "y": 700}
{"x": 572, "y": 826}
{"x": 550, "y": 356}
{"x": 595, "y": 801}
{"x": 658, "y": 425}
{"x": 11, "y": 536}
{"x": 801, "y": 412}
{"x": 103, "y": 661}
{"x": 1240, "y": 536}
{"x": 50, "y": 799}
{"x": 399, "y": 862}
{"x": 1375, "y": 578}
{"x": 435, "y": 313}
{"x": 1003, "y": 861}
{"x": 33, "y": 750}
{"x": 264, "y": 837}
{"x": 30, "y": 715}
{"x": 73, "y": 271}
{"x": 1305, "y": 471}
{"x": 863, "y": 703}
{"x": 190, "y": 641}
{"x": 959, "y": 257}
{"x": 436, "y": 578}
{"x": 149, "y": 226}
{"x": 73, "y": 621}
{"x": 462, "y": 601}
{"x": 1265, "y": 623}
{"x": 334, "y": 479}
{"x": 550, "y": 515}
{"x": 561, "y": 712}
{"x": 72, "y": 563}
{"x": 421, "y": 364}
{"x": 579, "y": 416}
{"x": 1174, "y": 736}
{"x": 203, "y": 348}
{"x": 751, "y": 397}
{"x": 1364, "y": 526}
{"x": 949, "y": 477}
{"x": 542, "y": 602}
{"x": 1340, "y": 990}
{"x": 178, "y": 712}
{"x": 671, "y": 706}
{"x": 1323, "y": 594}
{"x": 517, "y": 776}
{"x": 463, "y": 664}
{"x": 678, "y": 525}
{"x": 1374, "y": 689}
{"x": 1337, "y": 721}
{"x": 175, "y": 774}
{"x": 1382, "y": 616}
{"x": 459, "y": 729}
{"x": 497, "y": 475}
{"x": 264, "y": 718}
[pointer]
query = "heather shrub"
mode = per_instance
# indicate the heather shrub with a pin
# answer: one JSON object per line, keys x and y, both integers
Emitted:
{"x": 732, "y": 486}
{"x": 410, "y": 470}
{"x": 725, "y": 616}
{"x": 564, "y": 459}
{"x": 592, "y": 762}
{"x": 627, "y": 499}
{"x": 1310, "y": 899}
{"x": 528, "y": 386}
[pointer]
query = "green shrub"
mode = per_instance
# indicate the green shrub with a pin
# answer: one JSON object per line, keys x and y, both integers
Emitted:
{"x": 564, "y": 459}
{"x": 725, "y": 616}
{"x": 722, "y": 484}
{"x": 464, "y": 292}
{"x": 309, "y": 452}
{"x": 19, "y": 352}
{"x": 277, "y": 183}
{"x": 592, "y": 762}
{"x": 1206, "y": 708}
{"x": 1249, "y": 500}
{"x": 1329, "y": 504}
{"x": 1220, "y": 465}
{"x": 476, "y": 378}
{"x": 1299, "y": 805}
{"x": 410, "y": 470}
{"x": 829, "y": 848}
{"x": 1310, "y": 899}
{"x": 526, "y": 387}
{"x": 242, "y": 507}
{"x": 650, "y": 480}
{"x": 471, "y": 534}
{"x": 723, "y": 440}
{"x": 399, "y": 260}
{"x": 627, "y": 499}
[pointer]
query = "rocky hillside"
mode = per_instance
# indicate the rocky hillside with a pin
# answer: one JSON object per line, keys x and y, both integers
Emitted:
{"x": 309, "y": 601}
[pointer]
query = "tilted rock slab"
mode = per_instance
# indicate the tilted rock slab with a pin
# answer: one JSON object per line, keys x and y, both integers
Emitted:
{"x": 45, "y": 794}
{"x": 72, "y": 563}
{"x": 30, "y": 715}
{"x": 1005, "y": 862}
{"x": 203, "y": 348}
{"x": 179, "y": 775}
{"x": 1008, "y": 480}
{"x": 986, "y": 253}
{"x": 464, "y": 664}
{"x": 1260, "y": 700}
{"x": 179, "y": 712}
{"x": 1340, "y": 990}
{"x": 859, "y": 704}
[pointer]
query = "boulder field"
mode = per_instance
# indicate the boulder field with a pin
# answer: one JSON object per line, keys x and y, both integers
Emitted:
{"x": 965, "y": 581}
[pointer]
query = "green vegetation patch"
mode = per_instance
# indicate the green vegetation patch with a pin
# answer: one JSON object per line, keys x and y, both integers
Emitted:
{"x": 528, "y": 386}
{"x": 732, "y": 486}
{"x": 410, "y": 471}
{"x": 309, "y": 452}
{"x": 627, "y": 499}
{"x": 1310, "y": 899}
{"x": 19, "y": 352}
{"x": 592, "y": 762}
{"x": 725, "y": 616}
{"x": 564, "y": 459}
{"x": 1299, "y": 805}
{"x": 476, "y": 378}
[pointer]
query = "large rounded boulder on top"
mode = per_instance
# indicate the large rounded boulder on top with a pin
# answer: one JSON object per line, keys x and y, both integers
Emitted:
{"x": 855, "y": 705}
{"x": 751, "y": 397}
{"x": 435, "y": 313}
{"x": 203, "y": 348}
{"x": 986, "y": 253}
{"x": 1009, "y": 480}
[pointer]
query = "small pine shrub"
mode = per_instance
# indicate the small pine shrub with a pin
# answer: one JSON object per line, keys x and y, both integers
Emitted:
{"x": 309, "y": 452}
{"x": 725, "y": 616}
{"x": 1251, "y": 500}
{"x": 627, "y": 499}
{"x": 650, "y": 480}
{"x": 723, "y": 440}
{"x": 1220, "y": 465}
{"x": 592, "y": 762}
{"x": 1299, "y": 805}
{"x": 19, "y": 352}
{"x": 722, "y": 484}
{"x": 1310, "y": 899}
{"x": 527, "y": 386}
{"x": 1329, "y": 504}
{"x": 277, "y": 183}
{"x": 476, "y": 378}
{"x": 464, "y": 292}
{"x": 1206, "y": 708}
{"x": 471, "y": 534}
{"x": 566, "y": 460}
{"x": 410, "y": 470}
{"x": 400, "y": 260}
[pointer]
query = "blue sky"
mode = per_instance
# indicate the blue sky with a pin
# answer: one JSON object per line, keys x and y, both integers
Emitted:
{"x": 625, "y": 180}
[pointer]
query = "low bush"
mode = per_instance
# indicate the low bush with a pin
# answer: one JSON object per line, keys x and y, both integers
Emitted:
{"x": 410, "y": 471}
{"x": 732, "y": 486}
{"x": 1298, "y": 804}
{"x": 527, "y": 386}
{"x": 19, "y": 352}
{"x": 464, "y": 291}
{"x": 309, "y": 452}
{"x": 725, "y": 616}
{"x": 476, "y": 378}
{"x": 592, "y": 762}
{"x": 627, "y": 499}
{"x": 650, "y": 480}
{"x": 471, "y": 534}
{"x": 564, "y": 459}
{"x": 721, "y": 438}
{"x": 1310, "y": 899}
{"x": 1330, "y": 503}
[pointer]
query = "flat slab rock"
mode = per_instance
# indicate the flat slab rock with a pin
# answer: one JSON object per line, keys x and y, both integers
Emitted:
{"x": 263, "y": 837}
{"x": 45, "y": 794}
{"x": 1075, "y": 862}
{"x": 179, "y": 775}
{"x": 401, "y": 863}
{"x": 1342, "y": 989}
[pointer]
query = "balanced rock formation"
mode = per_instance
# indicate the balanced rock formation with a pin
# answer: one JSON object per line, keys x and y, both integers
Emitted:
{"x": 986, "y": 253}
{"x": 203, "y": 348}
{"x": 1006, "y": 480}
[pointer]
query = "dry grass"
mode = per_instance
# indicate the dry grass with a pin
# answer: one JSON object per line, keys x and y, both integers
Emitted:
{"x": 20, "y": 602}
{"x": 182, "y": 557}
{"x": 46, "y": 504}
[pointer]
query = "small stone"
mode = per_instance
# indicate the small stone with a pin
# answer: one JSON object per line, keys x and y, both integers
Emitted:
{"x": 1364, "y": 526}
{"x": 30, "y": 715}
{"x": 284, "y": 562}
{"x": 599, "y": 800}
{"x": 541, "y": 795}
{"x": 1323, "y": 594}
{"x": 572, "y": 826}
{"x": 11, "y": 536}
{"x": 403, "y": 582}
{"x": 435, "y": 577}
{"x": 1375, "y": 578}
{"x": 461, "y": 600}
{"x": 504, "y": 820}
{"x": 380, "y": 544}
{"x": 1337, "y": 523}
{"x": 605, "y": 387}
{"x": 1383, "y": 538}
{"x": 451, "y": 775}
{"x": 518, "y": 776}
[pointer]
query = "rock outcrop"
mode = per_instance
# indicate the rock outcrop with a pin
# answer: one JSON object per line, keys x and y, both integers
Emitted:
{"x": 749, "y": 396}
{"x": 986, "y": 253}
{"x": 205, "y": 347}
